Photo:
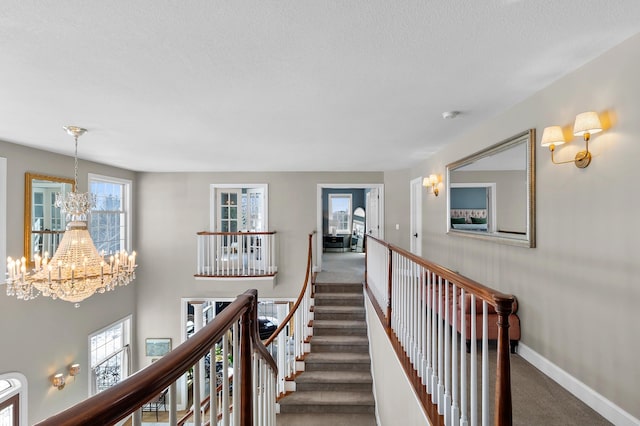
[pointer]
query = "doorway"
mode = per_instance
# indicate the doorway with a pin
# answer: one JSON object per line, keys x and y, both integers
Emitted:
{"x": 372, "y": 203}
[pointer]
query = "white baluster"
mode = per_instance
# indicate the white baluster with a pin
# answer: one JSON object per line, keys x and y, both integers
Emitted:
{"x": 485, "y": 364}
{"x": 213, "y": 387}
{"x": 455, "y": 411}
{"x": 423, "y": 327}
{"x": 473, "y": 360}
{"x": 255, "y": 382}
{"x": 434, "y": 341}
{"x": 173, "y": 404}
{"x": 440, "y": 348}
{"x": 225, "y": 380}
{"x": 428, "y": 293}
{"x": 236, "y": 370}
{"x": 464, "y": 419}
{"x": 447, "y": 356}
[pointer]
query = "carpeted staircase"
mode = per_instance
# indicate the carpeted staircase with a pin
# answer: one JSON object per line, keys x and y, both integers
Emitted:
{"x": 336, "y": 386}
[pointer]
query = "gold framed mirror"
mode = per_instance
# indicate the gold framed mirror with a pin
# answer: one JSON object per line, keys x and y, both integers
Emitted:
{"x": 44, "y": 223}
{"x": 491, "y": 193}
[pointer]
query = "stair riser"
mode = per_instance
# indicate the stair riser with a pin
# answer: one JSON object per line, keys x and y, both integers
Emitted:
{"x": 332, "y": 366}
{"x": 315, "y": 408}
{"x": 339, "y": 331}
{"x": 339, "y": 387}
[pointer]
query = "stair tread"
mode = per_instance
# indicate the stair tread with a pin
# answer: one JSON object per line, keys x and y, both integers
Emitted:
{"x": 335, "y": 377}
{"x": 320, "y": 323}
{"x": 353, "y": 295}
{"x": 324, "y": 419}
{"x": 338, "y": 309}
{"x": 328, "y": 398}
{"x": 340, "y": 340}
{"x": 337, "y": 357}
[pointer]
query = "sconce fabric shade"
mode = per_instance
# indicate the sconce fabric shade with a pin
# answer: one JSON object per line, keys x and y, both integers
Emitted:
{"x": 552, "y": 136}
{"x": 432, "y": 183}
{"x": 587, "y": 122}
{"x": 74, "y": 369}
{"x": 58, "y": 381}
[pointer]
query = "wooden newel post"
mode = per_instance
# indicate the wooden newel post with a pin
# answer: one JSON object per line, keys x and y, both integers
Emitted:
{"x": 503, "y": 408}
{"x": 248, "y": 321}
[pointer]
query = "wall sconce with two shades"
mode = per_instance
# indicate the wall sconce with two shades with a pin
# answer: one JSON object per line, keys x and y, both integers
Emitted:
{"x": 59, "y": 380}
{"x": 431, "y": 183}
{"x": 586, "y": 124}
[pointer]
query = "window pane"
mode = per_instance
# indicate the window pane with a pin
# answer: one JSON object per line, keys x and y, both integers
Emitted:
{"x": 340, "y": 212}
{"x": 108, "y": 222}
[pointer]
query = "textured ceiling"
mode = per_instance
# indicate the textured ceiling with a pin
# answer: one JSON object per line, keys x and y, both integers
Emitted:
{"x": 204, "y": 85}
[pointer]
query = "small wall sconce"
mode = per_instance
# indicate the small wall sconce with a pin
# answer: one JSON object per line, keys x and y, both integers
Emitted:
{"x": 586, "y": 124}
{"x": 432, "y": 182}
{"x": 58, "y": 381}
{"x": 74, "y": 370}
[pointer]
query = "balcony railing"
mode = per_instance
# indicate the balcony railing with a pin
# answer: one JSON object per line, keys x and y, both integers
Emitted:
{"x": 236, "y": 254}
{"x": 430, "y": 313}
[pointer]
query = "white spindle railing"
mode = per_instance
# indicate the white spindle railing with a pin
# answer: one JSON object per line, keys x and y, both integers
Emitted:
{"x": 236, "y": 254}
{"x": 290, "y": 341}
{"x": 424, "y": 307}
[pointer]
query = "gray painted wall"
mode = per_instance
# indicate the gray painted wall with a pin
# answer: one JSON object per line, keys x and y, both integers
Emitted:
{"x": 578, "y": 290}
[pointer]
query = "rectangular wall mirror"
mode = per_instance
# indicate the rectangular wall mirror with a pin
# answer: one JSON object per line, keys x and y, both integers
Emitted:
{"x": 491, "y": 193}
{"x": 44, "y": 223}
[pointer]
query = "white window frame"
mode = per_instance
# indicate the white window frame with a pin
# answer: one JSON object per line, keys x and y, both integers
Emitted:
{"x": 339, "y": 230}
{"x": 126, "y": 347}
{"x": 18, "y": 387}
{"x": 3, "y": 218}
{"x": 127, "y": 203}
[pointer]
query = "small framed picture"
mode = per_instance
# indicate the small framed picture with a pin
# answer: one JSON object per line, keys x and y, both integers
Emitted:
{"x": 157, "y": 346}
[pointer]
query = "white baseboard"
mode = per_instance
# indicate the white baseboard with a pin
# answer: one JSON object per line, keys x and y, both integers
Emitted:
{"x": 593, "y": 399}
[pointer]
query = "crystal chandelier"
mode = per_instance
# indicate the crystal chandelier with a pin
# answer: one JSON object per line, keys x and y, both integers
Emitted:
{"x": 76, "y": 271}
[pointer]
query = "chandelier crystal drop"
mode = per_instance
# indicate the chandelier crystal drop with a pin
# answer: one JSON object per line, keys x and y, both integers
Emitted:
{"x": 76, "y": 271}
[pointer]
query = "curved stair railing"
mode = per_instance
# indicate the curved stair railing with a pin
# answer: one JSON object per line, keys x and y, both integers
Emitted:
{"x": 429, "y": 313}
{"x": 292, "y": 334}
{"x": 290, "y": 341}
{"x": 255, "y": 388}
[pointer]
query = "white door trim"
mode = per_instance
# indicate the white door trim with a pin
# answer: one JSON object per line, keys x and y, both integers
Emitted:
{"x": 415, "y": 220}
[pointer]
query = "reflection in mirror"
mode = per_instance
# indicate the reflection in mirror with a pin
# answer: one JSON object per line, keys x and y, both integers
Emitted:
{"x": 357, "y": 238}
{"x": 44, "y": 224}
{"x": 491, "y": 194}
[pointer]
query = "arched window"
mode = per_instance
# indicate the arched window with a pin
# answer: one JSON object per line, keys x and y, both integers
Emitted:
{"x": 13, "y": 399}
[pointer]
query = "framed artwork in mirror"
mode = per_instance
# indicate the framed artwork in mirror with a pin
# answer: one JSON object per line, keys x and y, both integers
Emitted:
{"x": 491, "y": 193}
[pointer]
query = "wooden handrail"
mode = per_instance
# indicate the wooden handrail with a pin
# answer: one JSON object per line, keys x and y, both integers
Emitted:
{"x": 286, "y": 320}
{"x": 493, "y": 297}
{"x": 119, "y": 401}
{"x": 249, "y": 233}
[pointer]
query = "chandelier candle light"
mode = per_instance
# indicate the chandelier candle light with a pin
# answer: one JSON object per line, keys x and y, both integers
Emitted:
{"x": 76, "y": 271}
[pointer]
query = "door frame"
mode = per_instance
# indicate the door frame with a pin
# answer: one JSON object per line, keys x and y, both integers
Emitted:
{"x": 415, "y": 219}
{"x": 213, "y": 206}
{"x": 380, "y": 186}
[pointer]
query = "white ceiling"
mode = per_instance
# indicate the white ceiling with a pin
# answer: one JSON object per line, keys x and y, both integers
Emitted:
{"x": 259, "y": 85}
